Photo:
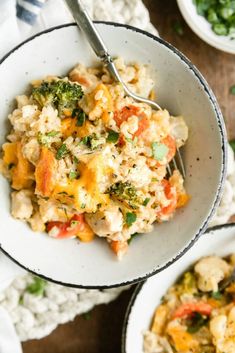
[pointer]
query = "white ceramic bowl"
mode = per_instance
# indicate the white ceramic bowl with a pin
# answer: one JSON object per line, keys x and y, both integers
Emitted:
{"x": 181, "y": 89}
{"x": 202, "y": 27}
{"x": 147, "y": 296}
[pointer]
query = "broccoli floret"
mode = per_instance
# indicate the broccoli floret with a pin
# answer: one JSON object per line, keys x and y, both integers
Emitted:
{"x": 126, "y": 192}
{"x": 61, "y": 94}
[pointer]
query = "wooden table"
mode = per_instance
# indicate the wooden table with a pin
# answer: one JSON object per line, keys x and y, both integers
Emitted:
{"x": 102, "y": 332}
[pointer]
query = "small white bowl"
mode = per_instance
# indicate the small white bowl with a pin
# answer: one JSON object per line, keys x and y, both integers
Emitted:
{"x": 147, "y": 296}
{"x": 182, "y": 90}
{"x": 203, "y": 28}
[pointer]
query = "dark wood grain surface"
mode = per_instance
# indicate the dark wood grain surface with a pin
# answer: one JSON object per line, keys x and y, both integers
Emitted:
{"x": 101, "y": 333}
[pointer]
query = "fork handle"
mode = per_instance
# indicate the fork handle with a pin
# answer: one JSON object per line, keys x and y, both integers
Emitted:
{"x": 85, "y": 23}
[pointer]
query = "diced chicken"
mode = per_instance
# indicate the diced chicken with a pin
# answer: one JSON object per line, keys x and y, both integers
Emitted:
{"x": 107, "y": 222}
{"x": 211, "y": 270}
{"x": 21, "y": 206}
{"x": 37, "y": 223}
{"x": 222, "y": 328}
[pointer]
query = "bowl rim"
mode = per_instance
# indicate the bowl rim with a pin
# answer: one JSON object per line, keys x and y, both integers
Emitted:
{"x": 203, "y": 34}
{"x": 141, "y": 284}
{"x": 223, "y": 136}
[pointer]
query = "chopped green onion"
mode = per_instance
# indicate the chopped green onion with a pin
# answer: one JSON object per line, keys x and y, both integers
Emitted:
{"x": 80, "y": 115}
{"x": 130, "y": 218}
{"x": 177, "y": 27}
{"x": 37, "y": 287}
{"x": 159, "y": 150}
{"x": 216, "y": 295}
{"x": 113, "y": 136}
{"x": 232, "y": 89}
{"x": 52, "y": 133}
{"x": 62, "y": 151}
{"x": 83, "y": 205}
{"x": 146, "y": 201}
{"x": 73, "y": 175}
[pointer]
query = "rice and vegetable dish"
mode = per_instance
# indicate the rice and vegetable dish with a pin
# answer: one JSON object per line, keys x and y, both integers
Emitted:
{"x": 84, "y": 159}
{"x": 197, "y": 314}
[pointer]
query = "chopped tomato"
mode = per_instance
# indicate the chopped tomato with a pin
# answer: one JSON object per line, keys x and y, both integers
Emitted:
{"x": 125, "y": 113}
{"x": 68, "y": 229}
{"x": 119, "y": 247}
{"x": 188, "y": 309}
{"x": 170, "y": 143}
{"x": 142, "y": 126}
{"x": 171, "y": 195}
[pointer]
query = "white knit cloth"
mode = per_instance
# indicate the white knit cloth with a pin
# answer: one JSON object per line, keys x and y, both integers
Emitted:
{"x": 35, "y": 316}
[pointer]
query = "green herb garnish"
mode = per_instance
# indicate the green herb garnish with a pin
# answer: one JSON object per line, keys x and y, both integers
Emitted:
{"x": 52, "y": 133}
{"x": 113, "y": 136}
{"x": 159, "y": 150}
{"x": 177, "y": 27}
{"x": 216, "y": 295}
{"x": 80, "y": 115}
{"x": 196, "y": 322}
{"x": 73, "y": 175}
{"x": 37, "y": 287}
{"x": 83, "y": 205}
{"x": 232, "y": 89}
{"x": 130, "y": 218}
{"x": 62, "y": 151}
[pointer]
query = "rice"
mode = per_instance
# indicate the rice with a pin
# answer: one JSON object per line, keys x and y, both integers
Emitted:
{"x": 80, "y": 147}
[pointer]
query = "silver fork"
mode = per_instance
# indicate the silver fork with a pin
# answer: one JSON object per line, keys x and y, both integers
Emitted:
{"x": 84, "y": 21}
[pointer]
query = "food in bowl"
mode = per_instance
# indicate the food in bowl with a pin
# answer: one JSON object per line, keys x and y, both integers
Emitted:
{"x": 196, "y": 315}
{"x": 220, "y": 13}
{"x": 85, "y": 160}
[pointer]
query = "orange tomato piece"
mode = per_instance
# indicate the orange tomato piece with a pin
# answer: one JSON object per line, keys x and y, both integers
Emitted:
{"x": 188, "y": 309}
{"x": 119, "y": 247}
{"x": 45, "y": 173}
{"x": 142, "y": 126}
{"x": 67, "y": 229}
{"x": 171, "y": 195}
{"x": 125, "y": 113}
{"x": 170, "y": 143}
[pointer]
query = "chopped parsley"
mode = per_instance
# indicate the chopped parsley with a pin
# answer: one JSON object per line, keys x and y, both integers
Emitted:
{"x": 83, "y": 205}
{"x": 62, "y": 151}
{"x": 52, "y": 133}
{"x": 113, "y": 136}
{"x": 130, "y": 218}
{"x": 159, "y": 150}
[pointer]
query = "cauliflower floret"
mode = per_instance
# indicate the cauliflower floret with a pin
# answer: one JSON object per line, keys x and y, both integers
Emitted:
{"x": 21, "y": 206}
{"x": 106, "y": 222}
{"x": 211, "y": 270}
